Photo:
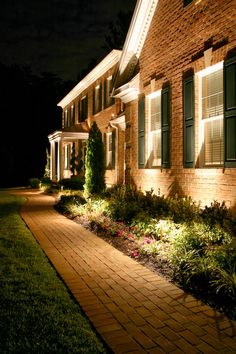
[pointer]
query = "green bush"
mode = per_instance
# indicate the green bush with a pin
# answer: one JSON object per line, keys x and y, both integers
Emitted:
{"x": 123, "y": 211}
{"x": 94, "y": 162}
{"x": 218, "y": 213}
{"x": 183, "y": 209}
{"x": 45, "y": 184}
{"x": 34, "y": 182}
{"x": 74, "y": 183}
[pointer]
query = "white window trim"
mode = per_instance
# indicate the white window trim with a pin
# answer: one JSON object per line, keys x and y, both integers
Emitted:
{"x": 150, "y": 97}
{"x": 207, "y": 71}
{"x": 108, "y": 152}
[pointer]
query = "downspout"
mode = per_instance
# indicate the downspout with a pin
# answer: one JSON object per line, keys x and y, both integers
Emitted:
{"x": 116, "y": 148}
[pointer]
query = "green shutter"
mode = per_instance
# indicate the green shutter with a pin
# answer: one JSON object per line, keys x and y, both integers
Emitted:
{"x": 165, "y": 127}
{"x": 141, "y": 132}
{"x": 188, "y": 112}
{"x": 230, "y": 112}
{"x": 113, "y": 149}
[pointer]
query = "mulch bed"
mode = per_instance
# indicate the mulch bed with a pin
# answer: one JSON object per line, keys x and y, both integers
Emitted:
{"x": 156, "y": 264}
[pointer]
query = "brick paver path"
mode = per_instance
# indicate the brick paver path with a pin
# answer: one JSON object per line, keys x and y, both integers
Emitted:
{"x": 133, "y": 309}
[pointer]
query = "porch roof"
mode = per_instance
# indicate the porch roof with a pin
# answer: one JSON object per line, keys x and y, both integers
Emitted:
{"x": 65, "y": 135}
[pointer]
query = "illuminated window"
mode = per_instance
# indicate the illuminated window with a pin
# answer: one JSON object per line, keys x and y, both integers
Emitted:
{"x": 109, "y": 141}
{"x": 108, "y": 100}
{"x": 97, "y": 99}
{"x": 109, "y": 150}
{"x": 83, "y": 109}
{"x": 211, "y": 114}
{"x": 67, "y": 157}
{"x": 154, "y": 130}
{"x": 72, "y": 115}
{"x": 66, "y": 118}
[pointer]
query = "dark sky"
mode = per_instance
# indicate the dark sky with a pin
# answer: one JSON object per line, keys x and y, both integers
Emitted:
{"x": 59, "y": 36}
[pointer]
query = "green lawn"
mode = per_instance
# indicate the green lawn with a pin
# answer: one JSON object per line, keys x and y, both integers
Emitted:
{"x": 37, "y": 314}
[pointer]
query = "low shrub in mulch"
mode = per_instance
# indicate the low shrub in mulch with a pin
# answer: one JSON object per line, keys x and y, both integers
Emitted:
{"x": 192, "y": 246}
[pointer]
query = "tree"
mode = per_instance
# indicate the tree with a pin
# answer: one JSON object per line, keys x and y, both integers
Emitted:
{"x": 117, "y": 31}
{"x": 47, "y": 167}
{"x": 94, "y": 162}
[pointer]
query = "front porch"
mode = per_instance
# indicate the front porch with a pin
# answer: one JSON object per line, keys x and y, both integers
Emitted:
{"x": 61, "y": 146}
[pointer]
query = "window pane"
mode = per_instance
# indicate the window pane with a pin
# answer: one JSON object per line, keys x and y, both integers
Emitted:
{"x": 109, "y": 149}
{"x": 212, "y": 95}
{"x": 156, "y": 148}
{"x": 155, "y": 131}
{"x": 213, "y": 137}
{"x": 155, "y": 114}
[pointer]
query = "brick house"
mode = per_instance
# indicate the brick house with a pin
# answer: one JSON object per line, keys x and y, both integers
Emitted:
{"x": 90, "y": 100}
{"x": 175, "y": 93}
{"x": 181, "y": 126}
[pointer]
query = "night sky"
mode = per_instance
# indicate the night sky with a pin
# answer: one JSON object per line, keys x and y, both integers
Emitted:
{"x": 46, "y": 46}
{"x": 59, "y": 36}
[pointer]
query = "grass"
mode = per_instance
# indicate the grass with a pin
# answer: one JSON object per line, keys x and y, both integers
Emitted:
{"x": 37, "y": 314}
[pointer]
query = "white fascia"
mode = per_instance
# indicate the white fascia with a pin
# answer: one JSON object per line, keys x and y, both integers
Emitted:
{"x": 129, "y": 91}
{"x": 108, "y": 62}
{"x": 60, "y": 135}
{"x": 137, "y": 33}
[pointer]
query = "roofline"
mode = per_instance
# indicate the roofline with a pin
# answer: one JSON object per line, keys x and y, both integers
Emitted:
{"x": 110, "y": 60}
{"x": 139, "y": 26}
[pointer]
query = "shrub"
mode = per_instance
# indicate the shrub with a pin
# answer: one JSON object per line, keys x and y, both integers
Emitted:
{"x": 123, "y": 211}
{"x": 71, "y": 204}
{"x": 75, "y": 183}
{"x": 94, "y": 162}
{"x": 34, "y": 182}
{"x": 183, "y": 209}
{"x": 218, "y": 213}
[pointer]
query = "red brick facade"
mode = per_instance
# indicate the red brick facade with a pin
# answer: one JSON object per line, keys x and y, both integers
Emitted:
{"x": 178, "y": 41}
{"x": 175, "y": 44}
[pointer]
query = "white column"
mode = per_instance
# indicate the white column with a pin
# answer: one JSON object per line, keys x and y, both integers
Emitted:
{"x": 59, "y": 160}
{"x": 52, "y": 160}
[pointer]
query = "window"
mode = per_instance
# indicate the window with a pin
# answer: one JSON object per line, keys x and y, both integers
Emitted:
{"x": 109, "y": 150}
{"x": 65, "y": 118}
{"x": 154, "y": 130}
{"x": 97, "y": 99}
{"x": 83, "y": 109}
{"x": 211, "y": 114}
{"x": 157, "y": 148}
{"x": 108, "y": 100}
{"x": 109, "y": 140}
{"x": 72, "y": 115}
{"x": 67, "y": 157}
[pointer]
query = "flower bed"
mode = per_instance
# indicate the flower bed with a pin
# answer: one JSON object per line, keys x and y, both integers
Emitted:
{"x": 191, "y": 246}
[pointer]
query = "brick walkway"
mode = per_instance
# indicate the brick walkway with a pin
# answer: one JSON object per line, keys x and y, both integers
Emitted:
{"x": 133, "y": 309}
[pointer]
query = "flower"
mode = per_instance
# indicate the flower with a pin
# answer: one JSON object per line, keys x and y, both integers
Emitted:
{"x": 147, "y": 240}
{"x": 135, "y": 254}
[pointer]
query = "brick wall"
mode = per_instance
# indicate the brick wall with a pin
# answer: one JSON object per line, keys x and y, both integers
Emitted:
{"x": 174, "y": 45}
{"x": 102, "y": 119}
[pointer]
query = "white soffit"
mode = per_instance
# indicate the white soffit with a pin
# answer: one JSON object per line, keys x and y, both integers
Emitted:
{"x": 61, "y": 135}
{"x": 110, "y": 60}
{"x": 129, "y": 91}
{"x": 137, "y": 33}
